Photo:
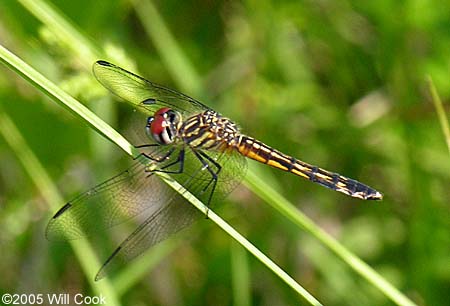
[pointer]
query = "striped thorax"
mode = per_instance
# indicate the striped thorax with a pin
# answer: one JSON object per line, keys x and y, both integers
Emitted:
{"x": 209, "y": 131}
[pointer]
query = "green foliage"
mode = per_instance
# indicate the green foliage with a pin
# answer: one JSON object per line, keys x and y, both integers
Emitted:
{"x": 338, "y": 84}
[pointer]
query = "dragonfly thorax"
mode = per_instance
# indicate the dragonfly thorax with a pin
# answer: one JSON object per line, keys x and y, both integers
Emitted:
{"x": 163, "y": 126}
{"x": 209, "y": 131}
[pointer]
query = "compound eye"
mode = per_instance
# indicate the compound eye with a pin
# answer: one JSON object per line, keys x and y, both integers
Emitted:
{"x": 159, "y": 130}
{"x": 162, "y": 127}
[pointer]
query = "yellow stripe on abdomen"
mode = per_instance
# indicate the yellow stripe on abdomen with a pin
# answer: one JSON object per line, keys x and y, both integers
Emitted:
{"x": 262, "y": 153}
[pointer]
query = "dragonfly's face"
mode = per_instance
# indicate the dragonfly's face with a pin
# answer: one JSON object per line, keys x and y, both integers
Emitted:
{"x": 163, "y": 126}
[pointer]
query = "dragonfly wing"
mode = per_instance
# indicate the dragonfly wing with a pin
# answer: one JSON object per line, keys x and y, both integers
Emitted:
{"x": 148, "y": 96}
{"x": 110, "y": 203}
{"x": 178, "y": 214}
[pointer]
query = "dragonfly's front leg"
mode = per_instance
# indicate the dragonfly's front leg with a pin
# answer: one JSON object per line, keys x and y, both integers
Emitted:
{"x": 157, "y": 159}
{"x": 179, "y": 160}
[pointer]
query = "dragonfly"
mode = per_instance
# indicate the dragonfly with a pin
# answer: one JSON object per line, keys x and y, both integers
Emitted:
{"x": 204, "y": 151}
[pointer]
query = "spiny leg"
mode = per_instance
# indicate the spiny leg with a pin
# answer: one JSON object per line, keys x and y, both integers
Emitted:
{"x": 214, "y": 175}
{"x": 156, "y": 159}
{"x": 218, "y": 166}
{"x": 180, "y": 160}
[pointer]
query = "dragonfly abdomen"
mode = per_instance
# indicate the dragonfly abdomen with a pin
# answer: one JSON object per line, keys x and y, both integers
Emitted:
{"x": 261, "y": 152}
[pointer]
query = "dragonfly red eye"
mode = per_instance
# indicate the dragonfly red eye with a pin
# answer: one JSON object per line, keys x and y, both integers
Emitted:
{"x": 157, "y": 125}
{"x": 161, "y": 126}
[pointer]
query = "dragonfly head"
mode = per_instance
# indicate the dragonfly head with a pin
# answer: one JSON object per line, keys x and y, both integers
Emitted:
{"x": 163, "y": 126}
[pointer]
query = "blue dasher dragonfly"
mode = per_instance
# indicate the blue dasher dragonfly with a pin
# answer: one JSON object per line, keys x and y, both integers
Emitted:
{"x": 204, "y": 151}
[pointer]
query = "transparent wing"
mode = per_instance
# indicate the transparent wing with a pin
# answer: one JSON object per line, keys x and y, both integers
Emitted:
{"x": 108, "y": 204}
{"x": 178, "y": 214}
{"x": 137, "y": 192}
{"x": 148, "y": 96}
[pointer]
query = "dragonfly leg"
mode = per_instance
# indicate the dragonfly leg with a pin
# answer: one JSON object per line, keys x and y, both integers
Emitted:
{"x": 179, "y": 160}
{"x": 204, "y": 158}
{"x": 145, "y": 146}
{"x": 155, "y": 159}
{"x": 148, "y": 145}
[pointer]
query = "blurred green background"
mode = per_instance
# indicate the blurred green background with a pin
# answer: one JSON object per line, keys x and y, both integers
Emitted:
{"x": 339, "y": 84}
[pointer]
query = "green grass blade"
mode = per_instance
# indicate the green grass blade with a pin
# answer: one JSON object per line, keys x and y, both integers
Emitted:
{"x": 440, "y": 111}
